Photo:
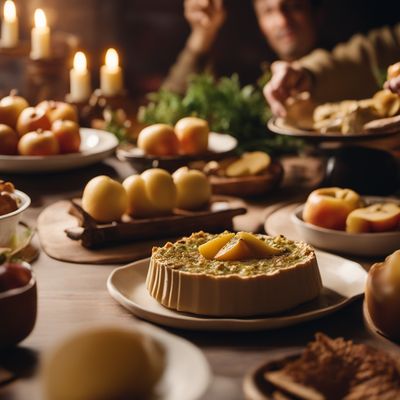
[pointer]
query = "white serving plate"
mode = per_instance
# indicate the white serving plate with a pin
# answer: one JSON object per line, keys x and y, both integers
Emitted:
{"x": 184, "y": 361}
{"x": 343, "y": 281}
{"x": 95, "y": 146}
{"x": 358, "y": 244}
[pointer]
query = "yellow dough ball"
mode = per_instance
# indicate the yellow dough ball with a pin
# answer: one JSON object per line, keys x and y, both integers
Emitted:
{"x": 193, "y": 189}
{"x": 104, "y": 199}
{"x": 103, "y": 363}
{"x": 160, "y": 189}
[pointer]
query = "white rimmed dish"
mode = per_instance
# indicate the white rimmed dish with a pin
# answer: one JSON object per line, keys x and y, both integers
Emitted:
{"x": 343, "y": 281}
{"x": 183, "y": 362}
{"x": 220, "y": 145}
{"x": 357, "y": 244}
{"x": 9, "y": 222}
{"x": 95, "y": 146}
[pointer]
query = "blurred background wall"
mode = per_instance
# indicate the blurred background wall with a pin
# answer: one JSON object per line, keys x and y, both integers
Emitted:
{"x": 150, "y": 33}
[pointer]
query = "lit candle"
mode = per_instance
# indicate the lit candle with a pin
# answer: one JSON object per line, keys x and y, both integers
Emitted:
{"x": 40, "y": 36}
{"x": 9, "y": 27}
{"x": 111, "y": 75}
{"x": 79, "y": 79}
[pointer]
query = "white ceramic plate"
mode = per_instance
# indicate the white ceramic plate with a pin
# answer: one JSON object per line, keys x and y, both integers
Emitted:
{"x": 343, "y": 281}
{"x": 95, "y": 146}
{"x": 359, "y": 244}
{"x": 219, "y": 146}
{"x": 184, "y": 361}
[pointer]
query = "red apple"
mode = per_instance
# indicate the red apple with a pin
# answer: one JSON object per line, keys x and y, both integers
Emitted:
{"x": 10, "y": 108}
{"x": 68, "y": 136}
{"x": 32, "y": 119}
{"x": 13, "y": 275}
{"x": 329, "y": 207}
{"x": 38, "y": 143}
{"x": 58, "y": 110}
{"x": 8, "y": 140}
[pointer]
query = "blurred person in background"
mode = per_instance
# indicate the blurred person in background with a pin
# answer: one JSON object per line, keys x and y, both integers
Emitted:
{"x": 289, "y": 27}
{"x": 352, "y": 70}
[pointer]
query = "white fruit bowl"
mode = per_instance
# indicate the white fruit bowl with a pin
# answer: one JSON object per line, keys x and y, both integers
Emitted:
{"x": 9, "y": 222}
{"x": 358, "y": 244}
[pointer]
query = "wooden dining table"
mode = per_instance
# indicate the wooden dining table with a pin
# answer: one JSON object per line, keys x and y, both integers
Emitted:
{"x": 70, "y": 295}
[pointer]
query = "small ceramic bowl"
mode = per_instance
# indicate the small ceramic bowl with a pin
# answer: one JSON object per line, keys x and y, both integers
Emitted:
{"x": 9, "y": 222}
{"x": 18, "y": 311}
{"x": 357, "y": 244}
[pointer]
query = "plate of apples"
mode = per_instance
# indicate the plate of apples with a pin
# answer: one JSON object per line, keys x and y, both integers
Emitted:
{"x": 47, "y": 137}
{"x": 170, "y": 147}
{"x": 340, "y": 220}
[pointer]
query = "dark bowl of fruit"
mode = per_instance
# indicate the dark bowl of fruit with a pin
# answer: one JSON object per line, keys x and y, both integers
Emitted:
{"x": 18, "y": 302}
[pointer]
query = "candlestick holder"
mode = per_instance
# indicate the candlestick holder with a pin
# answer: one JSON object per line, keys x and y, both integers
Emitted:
{"x": 99, "y": 102}
{"x": 102, "y": 112}
{"x": 47, "y": 78}
{"x": 12, "y": 65}
{"x": 83, "y": 109}
{"x": 19, "y": 51}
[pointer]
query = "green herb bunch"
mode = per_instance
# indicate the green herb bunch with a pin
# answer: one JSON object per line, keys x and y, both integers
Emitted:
{"x": 228, "y": 108}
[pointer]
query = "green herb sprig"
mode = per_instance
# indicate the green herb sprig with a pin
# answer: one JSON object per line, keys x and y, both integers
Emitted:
{"x": 226, "y": 105}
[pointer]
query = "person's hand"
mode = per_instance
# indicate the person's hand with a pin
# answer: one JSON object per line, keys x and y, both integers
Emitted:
{"x": 393, "y": 78}
{"x": 205, "y": 18}
{"x": 288, "y": 80}
{"x": 393, "y": 85}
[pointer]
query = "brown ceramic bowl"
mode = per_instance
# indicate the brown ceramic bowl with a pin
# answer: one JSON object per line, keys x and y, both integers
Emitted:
{"x": 249, "y": 186}
{"x": 18, "y": 311}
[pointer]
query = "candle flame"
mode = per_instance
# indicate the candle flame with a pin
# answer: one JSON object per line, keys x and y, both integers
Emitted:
{"x": 80, "y": 63}
{"x": 40, "y": 18}
{"x": 112, "y": 59}
{"x": 10, "y": 13}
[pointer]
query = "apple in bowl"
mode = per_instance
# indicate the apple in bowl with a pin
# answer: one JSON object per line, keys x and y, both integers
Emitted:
{"x": 32, "y": 119}
{"x": 56, "y": 110}
{"x": 12, "y": 204}
{"x": 330, "y": 207}
{"x": 68, "y": 136}
{"x": 378, "y": 217}
{"x": 8, "y": 140}
{"x": 192, "y": 134}
{"x": 382, "y": 295}
{"x": 158, "y": 140}
{"x": 38, "y": 143}
{"x": 11, "y": 107}
{"x": 18, "y": 302}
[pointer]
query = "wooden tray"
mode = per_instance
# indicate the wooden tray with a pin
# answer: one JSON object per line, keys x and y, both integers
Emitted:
{"x": 249, "y": 186}
{"x": 91, "y": 234}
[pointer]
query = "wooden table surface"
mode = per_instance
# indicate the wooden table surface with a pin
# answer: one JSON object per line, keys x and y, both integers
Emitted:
{"x": 72, "y": 295}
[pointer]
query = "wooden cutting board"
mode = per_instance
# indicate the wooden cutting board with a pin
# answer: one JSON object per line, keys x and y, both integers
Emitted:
{"x": 56, "y": 218}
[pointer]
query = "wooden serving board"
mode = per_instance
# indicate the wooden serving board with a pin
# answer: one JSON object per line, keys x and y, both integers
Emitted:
{"x": 55, "y": 219}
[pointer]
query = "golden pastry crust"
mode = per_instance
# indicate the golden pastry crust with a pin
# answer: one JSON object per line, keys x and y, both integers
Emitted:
{"x": 180, "y": 278}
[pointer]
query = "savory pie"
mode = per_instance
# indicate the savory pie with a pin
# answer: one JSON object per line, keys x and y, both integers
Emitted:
{"x": 181, "y": 278}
